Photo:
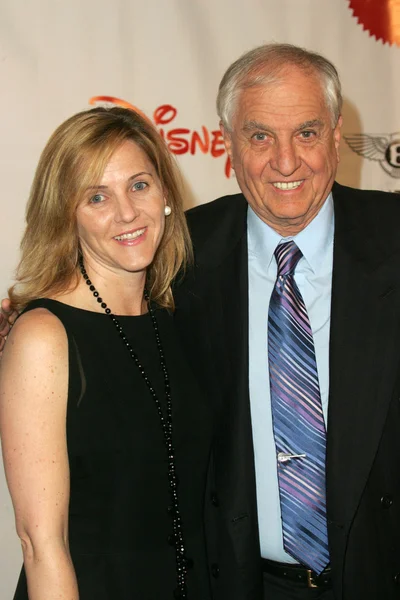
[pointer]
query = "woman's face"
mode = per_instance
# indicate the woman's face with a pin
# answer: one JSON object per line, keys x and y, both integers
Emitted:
{"x": 121, "y": 220}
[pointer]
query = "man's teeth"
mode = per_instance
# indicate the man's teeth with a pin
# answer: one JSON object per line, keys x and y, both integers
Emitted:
{"x": 130, "y": 236}
{"x": 287, "y": 185}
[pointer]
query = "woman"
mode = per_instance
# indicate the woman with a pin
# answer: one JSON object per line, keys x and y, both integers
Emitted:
{"x": 105, "y": 433}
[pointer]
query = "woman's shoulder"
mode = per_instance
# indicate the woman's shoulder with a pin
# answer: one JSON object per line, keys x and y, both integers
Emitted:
{"x": 38, "y": 314}
{"x": 37, "y": 330}
{"x": 35, "y": 356}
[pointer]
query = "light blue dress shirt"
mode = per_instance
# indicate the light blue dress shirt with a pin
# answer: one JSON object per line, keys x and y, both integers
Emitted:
{"x": 313, "y": 276}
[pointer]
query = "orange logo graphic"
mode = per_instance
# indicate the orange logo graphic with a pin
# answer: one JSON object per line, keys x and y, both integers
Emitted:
{"x": 180, "y": 140}
{"x": 381, "y": 18}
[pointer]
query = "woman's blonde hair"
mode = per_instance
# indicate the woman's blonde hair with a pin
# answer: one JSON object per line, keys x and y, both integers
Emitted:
{"x": 74, "y": 159}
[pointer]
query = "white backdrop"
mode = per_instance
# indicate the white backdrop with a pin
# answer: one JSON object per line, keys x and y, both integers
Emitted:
{"x": 167, "y": 57}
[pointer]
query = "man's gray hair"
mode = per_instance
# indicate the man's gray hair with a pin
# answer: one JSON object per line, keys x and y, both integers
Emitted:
{"x": 265, "y": 65}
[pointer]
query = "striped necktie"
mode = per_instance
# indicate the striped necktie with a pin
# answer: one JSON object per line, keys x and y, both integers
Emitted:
{"x": 298, "y": 422}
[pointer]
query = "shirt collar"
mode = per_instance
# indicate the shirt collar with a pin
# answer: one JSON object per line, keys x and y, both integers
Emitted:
{"x": 313, "y": 241}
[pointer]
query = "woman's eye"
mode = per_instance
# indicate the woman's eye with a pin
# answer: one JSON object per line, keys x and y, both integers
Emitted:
{"x": 97, "y": 198}
{"x": 140, "y": 185}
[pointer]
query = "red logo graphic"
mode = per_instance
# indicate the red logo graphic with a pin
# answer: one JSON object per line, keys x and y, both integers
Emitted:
{"x": 381, "y": 18}
{"x": 180, "y": 140}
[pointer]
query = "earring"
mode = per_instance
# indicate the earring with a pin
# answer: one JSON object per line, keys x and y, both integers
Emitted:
{"x": 167, "y": 211}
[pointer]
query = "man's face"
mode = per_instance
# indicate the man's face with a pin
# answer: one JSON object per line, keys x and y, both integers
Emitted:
{"x": 284, "y": 150}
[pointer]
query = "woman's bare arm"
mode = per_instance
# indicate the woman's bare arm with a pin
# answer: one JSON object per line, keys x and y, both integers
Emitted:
{"x": 33, "y": 404}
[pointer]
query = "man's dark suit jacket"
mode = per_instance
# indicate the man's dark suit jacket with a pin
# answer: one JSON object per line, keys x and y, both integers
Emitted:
{"x": 363, "y": 446}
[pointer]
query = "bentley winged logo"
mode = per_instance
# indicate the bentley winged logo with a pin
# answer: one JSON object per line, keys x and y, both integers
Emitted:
{"x": 384, "y": 149}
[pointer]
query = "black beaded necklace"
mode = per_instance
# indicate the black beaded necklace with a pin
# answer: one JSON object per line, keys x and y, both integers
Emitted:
{"x": 176, "y": 538}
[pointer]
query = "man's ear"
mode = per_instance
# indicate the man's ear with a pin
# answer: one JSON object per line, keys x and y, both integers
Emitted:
{"x": 337, "y": 135}
{"x": 227, "y": 139}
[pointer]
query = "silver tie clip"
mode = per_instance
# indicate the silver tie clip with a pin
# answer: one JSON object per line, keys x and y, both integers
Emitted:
{"x": 283, "y": 457}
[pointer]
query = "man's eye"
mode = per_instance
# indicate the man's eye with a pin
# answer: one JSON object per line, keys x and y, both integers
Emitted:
{"x": 140, "y": 185}
{"x": 97, "y": 198}
{"x": 260, "y": 137}
{"x": 307, "y": 134}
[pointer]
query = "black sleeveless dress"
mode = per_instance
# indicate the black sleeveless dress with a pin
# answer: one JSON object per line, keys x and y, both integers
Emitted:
{"x": 118, "y": 516}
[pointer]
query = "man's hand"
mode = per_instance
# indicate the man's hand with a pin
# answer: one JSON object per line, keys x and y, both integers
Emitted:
{"x": 7, "y": 318}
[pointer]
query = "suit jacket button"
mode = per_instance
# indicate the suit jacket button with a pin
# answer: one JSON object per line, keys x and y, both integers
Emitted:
{"x": 215, "y": 570}
{"x": 386, "y": 501}
{"x": 397, "y": 579}
{"x": 214, "y": 499}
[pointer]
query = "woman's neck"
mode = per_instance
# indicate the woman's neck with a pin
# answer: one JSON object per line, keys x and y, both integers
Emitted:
{"x": 123, "y": 293}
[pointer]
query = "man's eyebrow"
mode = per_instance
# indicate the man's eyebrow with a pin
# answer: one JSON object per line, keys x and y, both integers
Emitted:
{"x": 308, "y": 124}
{"x": 252, "y": 125}
{"x": 131, "y": 178}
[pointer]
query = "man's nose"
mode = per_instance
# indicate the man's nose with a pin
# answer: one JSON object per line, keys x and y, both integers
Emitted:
{"x": 286, "y": 159}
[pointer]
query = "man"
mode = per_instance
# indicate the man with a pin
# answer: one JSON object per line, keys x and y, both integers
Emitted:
{"x": 280, "y": 116}
{"x": 308, "y": 333}
{"x": 7, "y": 318}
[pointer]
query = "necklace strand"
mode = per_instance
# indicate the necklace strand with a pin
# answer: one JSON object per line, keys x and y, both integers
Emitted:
{"x": 176, "y": 539}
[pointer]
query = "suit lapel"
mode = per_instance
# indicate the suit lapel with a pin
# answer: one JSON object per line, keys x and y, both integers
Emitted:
{"x": 232, "y": 313}
{"x": 236, "y": 465}
{"x": 223, "y": 279}
{"x": 364, "y": 328}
